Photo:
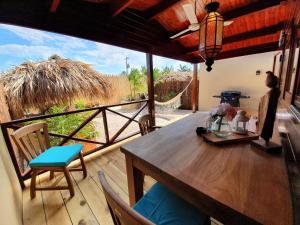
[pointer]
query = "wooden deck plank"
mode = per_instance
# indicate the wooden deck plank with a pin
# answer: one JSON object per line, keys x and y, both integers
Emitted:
{"x": 33, "y": 209}
{"x": 95, "y": 198}
{"x": 55, "y": 209}
{"x": 78, "y": 207}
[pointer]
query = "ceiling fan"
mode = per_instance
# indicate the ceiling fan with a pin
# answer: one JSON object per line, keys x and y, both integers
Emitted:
{"x": 194, "y": 24}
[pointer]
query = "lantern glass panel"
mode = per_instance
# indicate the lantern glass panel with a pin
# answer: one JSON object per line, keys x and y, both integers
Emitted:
{"x": 210, "y": 35}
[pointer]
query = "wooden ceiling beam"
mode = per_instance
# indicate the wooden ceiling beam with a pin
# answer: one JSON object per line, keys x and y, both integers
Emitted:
{"x": 250, "y": 8}
{"x": 119, "y": 6}
{"x": 54, "y": 6}
{"x": 256, "y": 49}
{"x": 247, "y": 35}
{"x": 159, "y": 8}
{"x": 241, "y": 11}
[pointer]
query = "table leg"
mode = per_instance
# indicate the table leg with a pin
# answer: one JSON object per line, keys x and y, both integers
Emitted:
{"x": 135, "y": 179}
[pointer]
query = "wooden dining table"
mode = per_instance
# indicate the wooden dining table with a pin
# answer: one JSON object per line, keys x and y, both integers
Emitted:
{"x": 233, "y": 183}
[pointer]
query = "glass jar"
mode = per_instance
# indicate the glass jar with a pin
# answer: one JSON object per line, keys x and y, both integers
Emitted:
{"x": 221, "y": 127}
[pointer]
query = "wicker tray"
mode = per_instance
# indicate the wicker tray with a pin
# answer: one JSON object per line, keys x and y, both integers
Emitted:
{"x": 233, "y": 138}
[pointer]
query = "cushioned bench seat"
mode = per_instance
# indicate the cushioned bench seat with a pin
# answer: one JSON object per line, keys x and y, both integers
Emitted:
{"x": 163, "y": 207}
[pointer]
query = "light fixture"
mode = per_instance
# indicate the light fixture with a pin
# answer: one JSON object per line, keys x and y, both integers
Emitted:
{"x": 211, "y": 34}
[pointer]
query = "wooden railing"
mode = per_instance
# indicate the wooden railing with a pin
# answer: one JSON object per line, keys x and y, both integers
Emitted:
{"x": 115, "y": 138}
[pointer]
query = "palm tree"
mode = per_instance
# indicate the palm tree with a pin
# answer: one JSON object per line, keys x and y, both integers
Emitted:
{"x": 135, "y": 78}
{"x": 184, "y": 68}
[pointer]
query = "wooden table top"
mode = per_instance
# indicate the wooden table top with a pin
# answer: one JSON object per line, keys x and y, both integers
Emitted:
{"x": 236, "y": 177}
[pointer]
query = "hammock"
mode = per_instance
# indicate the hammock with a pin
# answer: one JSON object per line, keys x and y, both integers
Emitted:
{"x": 173, "y": 103}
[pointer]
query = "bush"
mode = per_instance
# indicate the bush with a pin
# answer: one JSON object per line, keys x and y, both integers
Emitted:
{"x": 66, "y": 124}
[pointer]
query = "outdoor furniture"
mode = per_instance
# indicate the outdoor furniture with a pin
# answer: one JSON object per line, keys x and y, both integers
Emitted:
{"x": 33, "y": 142}
{"x": 145, "y": 124}
{"x": 231, "y": 97}
{"x": 234, "y": 183}
{"x": 158, "y": 206}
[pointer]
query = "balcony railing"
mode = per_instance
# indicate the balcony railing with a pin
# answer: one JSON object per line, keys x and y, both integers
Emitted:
{"x": 109, "y": 139}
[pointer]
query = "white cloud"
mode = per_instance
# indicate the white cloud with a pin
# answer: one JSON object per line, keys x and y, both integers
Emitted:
{"x": 34, "y": 36}
{"x": 29, "y": 52}
{"x": 106, "y": 55}
{"x": 37, "y": 37}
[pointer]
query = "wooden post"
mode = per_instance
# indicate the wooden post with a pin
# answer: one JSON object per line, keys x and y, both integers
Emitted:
{"x": 195, "y": 91}
{"x": 150, "y": 79}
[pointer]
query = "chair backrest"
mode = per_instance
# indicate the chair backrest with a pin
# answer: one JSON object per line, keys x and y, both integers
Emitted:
{"x": 121, "y": 213}
{"x": 32, "y": 140}
{"x": 145, "y": 124}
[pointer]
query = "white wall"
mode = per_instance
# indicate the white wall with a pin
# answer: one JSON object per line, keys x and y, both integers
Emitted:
{"x": 235, "y": 74}
{"x": 10, "y": 190}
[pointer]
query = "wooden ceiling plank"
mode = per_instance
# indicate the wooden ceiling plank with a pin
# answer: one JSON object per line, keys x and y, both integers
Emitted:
{"x": 119, "y": 6}
{"x": 250, "y": 8}
{"x": 54, "y": 6}
{"x": 241, "y": 11}
{"x": 256, "y": 49}
{"x": 159, "y": 8}
{"x": 247, "y": 35}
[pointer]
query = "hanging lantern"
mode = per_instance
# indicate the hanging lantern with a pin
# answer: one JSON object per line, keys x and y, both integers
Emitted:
{"x": 211, "y": 34}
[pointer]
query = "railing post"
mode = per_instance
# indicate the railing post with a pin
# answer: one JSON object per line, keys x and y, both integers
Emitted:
{"x": 105, "y": 126}
{"x": 12, "y": 155}
{"x": 150, "y": 81}
{"x": 195, "y": 91}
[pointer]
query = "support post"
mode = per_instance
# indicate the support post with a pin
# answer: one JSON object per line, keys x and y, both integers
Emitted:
{"x": 195, "y": 91}
{"x": 150, "y": 81}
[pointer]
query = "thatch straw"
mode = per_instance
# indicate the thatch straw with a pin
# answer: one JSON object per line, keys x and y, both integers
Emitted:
{"x": 56, "y": 81}
{"x": 175, "y": 76}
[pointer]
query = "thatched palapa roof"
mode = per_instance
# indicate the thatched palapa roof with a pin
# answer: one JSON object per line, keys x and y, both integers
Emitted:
{"x": 55, "y": 81}
{"x": 175, "y": 76}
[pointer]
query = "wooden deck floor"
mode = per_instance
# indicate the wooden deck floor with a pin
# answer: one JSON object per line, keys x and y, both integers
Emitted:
{"x": 88, "y": 206}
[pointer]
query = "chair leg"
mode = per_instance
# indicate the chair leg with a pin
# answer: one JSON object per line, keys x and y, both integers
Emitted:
{"x": 51, "y": 175}
{"x": 69, "y": 181}
{"x": 33, "y": 183}
{"x": 83, "y": 165}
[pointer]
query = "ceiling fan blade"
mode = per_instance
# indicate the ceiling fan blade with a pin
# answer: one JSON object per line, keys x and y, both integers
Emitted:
{"x": 190, "y": 13}
{"x": 180, "y": 33}
{"x": 227, "y": 23}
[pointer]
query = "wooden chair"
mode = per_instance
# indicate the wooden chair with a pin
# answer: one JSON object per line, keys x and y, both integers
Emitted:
{"x": 120, "y": 212}
{"x": 33, "y": 143}
{"x": 158, "y": 206}
{"x": 145, "y": 125}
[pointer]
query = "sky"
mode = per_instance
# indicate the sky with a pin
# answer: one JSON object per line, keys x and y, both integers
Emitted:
{"x": 19, "y": 44}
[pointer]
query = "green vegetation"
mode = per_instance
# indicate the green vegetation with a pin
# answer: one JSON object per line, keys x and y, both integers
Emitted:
{"x": 169, "y": 96}
{"x": 138, "y": 79}
{"x": 184, "y": 68}
{"x": 68, "y": 123}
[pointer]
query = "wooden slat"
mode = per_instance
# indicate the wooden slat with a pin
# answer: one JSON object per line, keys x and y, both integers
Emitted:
{"x": 119, "y": 6}
{"x": 33, "y": 209}
{"x": 157, "y": 9}
{"x": 248, "y": 35}
{"x": 95, "y": 197}
{"x": 54, "y": 5}
{"x": 78, "y": 207}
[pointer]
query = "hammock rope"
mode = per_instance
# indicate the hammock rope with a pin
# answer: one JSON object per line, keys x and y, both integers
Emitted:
{"x": 173, "y": 103}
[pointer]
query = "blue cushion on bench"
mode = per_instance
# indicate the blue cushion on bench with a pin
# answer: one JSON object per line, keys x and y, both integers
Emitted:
{"x": 56, "y": 156}
{"x": 163, "y": 207}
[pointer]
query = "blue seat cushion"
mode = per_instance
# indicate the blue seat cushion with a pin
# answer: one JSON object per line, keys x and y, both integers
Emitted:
{"x": 163, "y": 207}
{"x": 56, "y": 156}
